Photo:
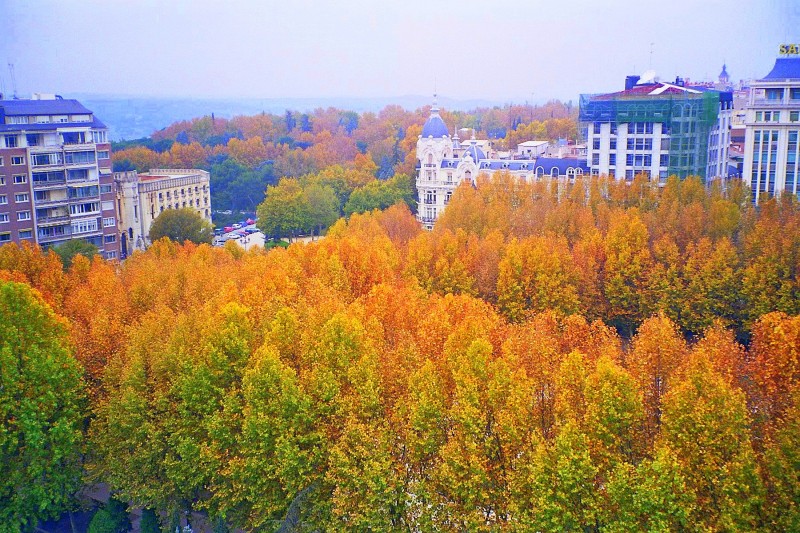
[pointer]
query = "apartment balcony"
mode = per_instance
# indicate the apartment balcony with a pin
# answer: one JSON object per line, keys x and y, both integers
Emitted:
{"x": 49, "y": 184}
{"x": 66, "y": 234}
{"x": 51, "y": 202}
{"x": 775, "y": 104}
{"x": 52, "y": 220}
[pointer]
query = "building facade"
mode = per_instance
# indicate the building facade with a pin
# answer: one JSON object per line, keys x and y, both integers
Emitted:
{"x": 55, "y": 175}
{"x": 445, "y": 162}
{"x": 658, "y": 129}
{"x": 772, "y": 128}
{"x": 142, "y": 197}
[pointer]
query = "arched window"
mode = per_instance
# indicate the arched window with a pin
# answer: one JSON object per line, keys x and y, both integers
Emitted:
{"x": 539, "y": 172}
{"x": 554, "y": 172}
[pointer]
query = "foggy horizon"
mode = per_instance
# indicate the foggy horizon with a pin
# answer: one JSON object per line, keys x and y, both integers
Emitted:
{"x": 503, "y": 52}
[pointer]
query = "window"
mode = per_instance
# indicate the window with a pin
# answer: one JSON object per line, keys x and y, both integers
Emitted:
{"x": 102, "y": 154}
{"x": 109, "y": 239}
{"x": 794, "y": 116}
{"x": 612, "y": 159}
{"x": 33, "y": 139}
{"x": 100, "y": 137}
{"x": 16, "y": 120}
{"x": 25, "y": 234}
{"x": 23, "y": 215}
{"x": 21, "y": 198}
{"x": 84, "y": 226}
{"x": 1, "y": 161}
{"x": 17, "y": 160}
{"x": 40, "y": 160}
{"x": 613, "y": 144}
{"x": 80, "y": 209}
{"x": 111, "y": 255}
{"x": 2, "y": 180}
{"x": 595, "y": 159}
{"x": 3, "y": 218}
{"x": 105, "y": 189}
{"x": 5, "y": 237}
{"x": 3, "y": 199}
{"x": 109, "y": 222}
{"x": 108, "y": 205}
{"x": 11, "y": 141}
{"x": 20, "y": 179}
{"x": 774, "y": 94}
{"x": 664, "y": 162}
{"x": 79, "y": 158}
{"x": 596, "y": 144}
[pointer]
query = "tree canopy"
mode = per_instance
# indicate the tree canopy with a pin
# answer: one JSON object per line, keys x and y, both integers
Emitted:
{"x": 42, "y": 410}
{"x": 181, "y": 225}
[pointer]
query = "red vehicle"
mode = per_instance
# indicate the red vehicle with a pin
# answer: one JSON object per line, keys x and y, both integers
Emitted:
{"x": 228, "y": 229}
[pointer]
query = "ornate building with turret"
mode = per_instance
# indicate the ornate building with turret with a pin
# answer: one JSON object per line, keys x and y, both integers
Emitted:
{"x": 445, "y": 162}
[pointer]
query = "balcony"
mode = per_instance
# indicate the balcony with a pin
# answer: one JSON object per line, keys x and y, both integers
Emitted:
{"x": 50, "y": 202}
{"x": 774, "y": 103}
{"x": 49, "y": 184}
{"x": 52, "y": 220}
{"x": 66, "y": 234}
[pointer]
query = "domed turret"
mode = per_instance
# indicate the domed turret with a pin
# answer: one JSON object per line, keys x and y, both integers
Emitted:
{"x": 475, "y": 152}
{"x": 723, "y": 76}
{"x": 435, "y": 126}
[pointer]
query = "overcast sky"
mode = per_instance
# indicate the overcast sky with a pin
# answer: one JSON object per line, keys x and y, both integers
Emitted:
{"x": 503, "y": 50}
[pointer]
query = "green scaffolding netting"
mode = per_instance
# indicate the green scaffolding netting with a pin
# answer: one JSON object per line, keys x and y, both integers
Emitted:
{"x": 688, "y": 117}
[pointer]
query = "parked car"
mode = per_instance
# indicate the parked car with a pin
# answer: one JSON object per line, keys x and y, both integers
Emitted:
{"x": 228, "y": 229}
{"x": 236, "y": 226}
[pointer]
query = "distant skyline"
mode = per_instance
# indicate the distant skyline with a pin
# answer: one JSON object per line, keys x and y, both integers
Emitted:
{"x": 501, "y": 51}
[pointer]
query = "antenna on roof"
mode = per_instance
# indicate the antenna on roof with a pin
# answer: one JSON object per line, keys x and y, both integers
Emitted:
{"x": 13, "y": 79}
{"x": 651, "y": 56}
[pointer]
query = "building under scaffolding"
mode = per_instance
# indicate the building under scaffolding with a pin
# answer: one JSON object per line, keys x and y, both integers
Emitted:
{"x": 657, "y": 129}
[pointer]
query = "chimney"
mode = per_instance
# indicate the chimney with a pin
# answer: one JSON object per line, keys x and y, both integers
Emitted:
{"x": 630, "y": 82}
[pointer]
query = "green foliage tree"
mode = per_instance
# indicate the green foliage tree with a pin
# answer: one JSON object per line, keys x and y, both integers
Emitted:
{"x": 181, "y": 225}
{"x": 380, "y": 195}
{"x": 41, "y": 408}
{"x": 285, "y": 212}
{"x": 149, "y": 522}
{"x": 323, "y": 206}
{"x": 73, "y": 247}
{"x": 111, "y": 518}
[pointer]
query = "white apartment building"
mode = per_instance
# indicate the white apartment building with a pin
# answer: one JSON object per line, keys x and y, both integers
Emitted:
{"x": 658, "y": 129}
{"x": 772, "y": 127}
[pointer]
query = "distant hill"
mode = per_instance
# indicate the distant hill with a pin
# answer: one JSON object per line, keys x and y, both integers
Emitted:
{"x": 130, "y": 117}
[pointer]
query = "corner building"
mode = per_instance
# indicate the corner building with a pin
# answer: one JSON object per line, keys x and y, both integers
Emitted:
{"x": 142, "y": 197}
{"x": 658, "y": 129}
{"x": 772, "y": 128}
{"x": 55, "y": 175}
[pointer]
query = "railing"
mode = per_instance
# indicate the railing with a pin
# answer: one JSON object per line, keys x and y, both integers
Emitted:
{"x": 50, "y": 238}
{"x": 766, "y": 102}
{"x": 49, "y": 183}
{"x": 52, "y": 219}
{"x": 50, "y": 201}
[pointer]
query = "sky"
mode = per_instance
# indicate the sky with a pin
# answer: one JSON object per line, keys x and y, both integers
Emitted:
{"x": 499, "y": 50}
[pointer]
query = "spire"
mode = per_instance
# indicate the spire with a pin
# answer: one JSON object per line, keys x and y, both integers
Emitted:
{"x": 435, "y": 106}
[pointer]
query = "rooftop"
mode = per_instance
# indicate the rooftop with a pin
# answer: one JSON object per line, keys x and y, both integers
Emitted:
{"x": 786, "y": 68}
{"x": 57, "y": 106}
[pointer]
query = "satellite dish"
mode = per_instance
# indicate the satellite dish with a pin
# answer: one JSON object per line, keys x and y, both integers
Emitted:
{"x": 648, "y": 77}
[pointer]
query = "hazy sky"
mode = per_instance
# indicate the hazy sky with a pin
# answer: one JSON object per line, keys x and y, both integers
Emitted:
{"x": 494, "y": 49}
